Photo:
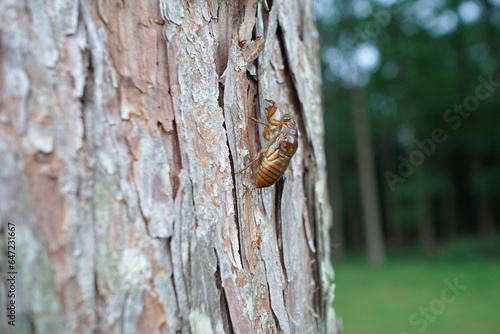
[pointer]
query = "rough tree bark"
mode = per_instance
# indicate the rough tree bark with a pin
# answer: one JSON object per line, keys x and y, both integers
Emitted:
{"x": 122, "y": 123}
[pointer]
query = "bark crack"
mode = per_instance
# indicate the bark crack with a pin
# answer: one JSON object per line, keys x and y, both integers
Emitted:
{"x": 275, "y": 317}
{"x": 175, "y": 288}
{"x": 225, "y": 314}
{"x": 87, "y": 100}
{"x": 292, "y": 85}
{"x": 233, "y": 176}
{"x": 308, "y": 171}
{"x": 278, "y": 223}
{"x": 176, "y": 166}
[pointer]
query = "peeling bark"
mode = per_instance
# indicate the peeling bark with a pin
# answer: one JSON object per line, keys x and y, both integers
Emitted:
{"x": 121, "y": 126}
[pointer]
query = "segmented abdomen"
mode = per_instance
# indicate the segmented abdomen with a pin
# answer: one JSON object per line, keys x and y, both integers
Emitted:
{"x": 271, "y": 171}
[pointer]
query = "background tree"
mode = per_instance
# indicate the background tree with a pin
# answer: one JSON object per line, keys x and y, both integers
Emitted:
{"x": 121, "y": 129}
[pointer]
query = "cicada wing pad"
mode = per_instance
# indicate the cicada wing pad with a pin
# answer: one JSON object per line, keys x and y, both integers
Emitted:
{"x": 273, "y": 151}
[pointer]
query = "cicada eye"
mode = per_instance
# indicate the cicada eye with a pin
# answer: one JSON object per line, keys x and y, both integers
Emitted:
{"x": 287, "y": 118}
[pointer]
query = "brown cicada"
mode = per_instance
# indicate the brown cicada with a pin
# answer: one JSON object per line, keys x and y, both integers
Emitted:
{"x": 283, "y": 143}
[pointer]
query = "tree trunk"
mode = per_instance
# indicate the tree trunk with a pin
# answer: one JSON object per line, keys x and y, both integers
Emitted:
{"x": 448, "y": 215}
{"x": 337, "y": 233}
{"x": 485, "y": 214}
{"x": 426, "y": 229}
{"x": 391, "y": 205}
{"x": 368, "y": 181}
{"x": 120, "y": 131}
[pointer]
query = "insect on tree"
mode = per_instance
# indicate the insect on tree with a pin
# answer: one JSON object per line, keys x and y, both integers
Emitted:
{"x": 283, "y": 143}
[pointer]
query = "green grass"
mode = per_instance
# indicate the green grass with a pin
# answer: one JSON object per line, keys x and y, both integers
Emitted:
{"x": 391, "y": 300}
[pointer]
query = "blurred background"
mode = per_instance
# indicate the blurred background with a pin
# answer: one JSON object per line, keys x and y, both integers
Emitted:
{"x": 411, "y": 93}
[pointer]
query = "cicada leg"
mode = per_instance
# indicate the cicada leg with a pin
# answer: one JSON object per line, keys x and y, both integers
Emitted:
{"x": 253, "y": 161}
{"x": 267, "y": 129}
{"x": 271, "y": 110}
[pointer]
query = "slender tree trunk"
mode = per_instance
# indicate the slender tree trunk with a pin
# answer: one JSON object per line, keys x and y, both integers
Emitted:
{"x": 355, "y": 229}
{"x": 449, "y": 216}
{"x": 121, "y": 126}
{"x": 337, "y": 232}
{"x": 485, "y": 216}
{"x": 391, "y": 205}
{"x": 369, "y": 193}
{"x": 448, "y": 205}
{"x": 425, "y": 226}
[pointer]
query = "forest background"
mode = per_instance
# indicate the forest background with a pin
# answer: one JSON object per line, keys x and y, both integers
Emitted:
{"x": 411, "y": 93}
